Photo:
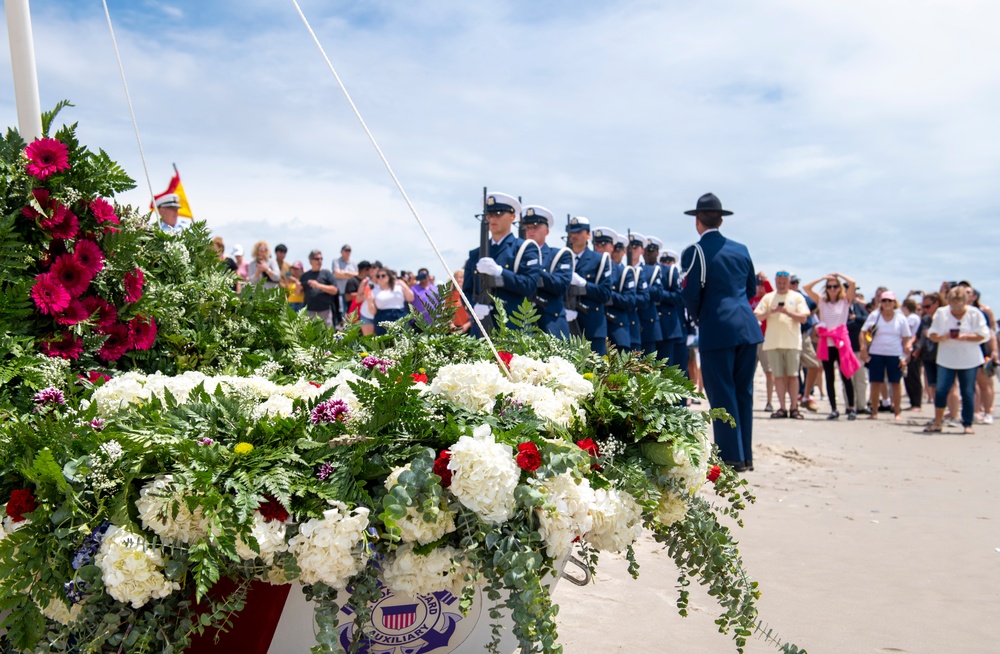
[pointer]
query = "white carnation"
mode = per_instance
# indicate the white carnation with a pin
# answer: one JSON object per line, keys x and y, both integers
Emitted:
{"x": 270, "y": 537}
{"x": 484, "y": 475}
{"x": 473, "y": 386}
{"x": 566, "y": 514}
{"x": 327, "y": 548}
{"x": 131, "y": 568}
{"x": 156, "y": 512}
{"x": 670, "y": 509}
{"x": 420, "y": 574}
{"x": 617, "y": 520}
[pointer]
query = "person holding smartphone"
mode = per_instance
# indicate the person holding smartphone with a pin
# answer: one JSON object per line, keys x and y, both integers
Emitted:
{"x": 784, "y": 310}
{"x": 885, "y": 346}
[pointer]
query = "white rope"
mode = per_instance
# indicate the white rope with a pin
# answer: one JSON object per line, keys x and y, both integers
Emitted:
{"x": 131, "y": 110}
{"x": 406, "y": 198}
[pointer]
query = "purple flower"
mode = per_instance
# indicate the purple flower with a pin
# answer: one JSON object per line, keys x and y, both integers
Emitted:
{"x": 330, "y": 411}
{"x": 206, "y": 441}
{"x": 324, "y": 471}
{"x": 375, "y": 362}
{"x": 85, "y": 554}
{"x": 50, "y": 395}
{"x": 97, "y": 424}
{"x": 75, "y": 590}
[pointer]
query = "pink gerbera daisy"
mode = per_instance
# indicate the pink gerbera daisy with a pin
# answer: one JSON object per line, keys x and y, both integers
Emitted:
{"x": 133, "y": 285}
{"x": 88, "y": 254}
{"x": 116, "y": 344}
{"x": 62, "y": 224}
{"x": 142, "y": 333}
{"x": 71, "y": 274}
{"x": 106, "y": 315}
{"x": 66, "y": 345}
{"x": 72, "y": 314}
{"x": 49, "y": 295}
{"x": 44, "y": 201}
{"x": 103, "y": 211}
{"x": 46, "y": 157}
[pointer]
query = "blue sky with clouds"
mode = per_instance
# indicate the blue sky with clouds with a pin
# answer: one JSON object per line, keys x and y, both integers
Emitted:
{"x": 858, "y": 136}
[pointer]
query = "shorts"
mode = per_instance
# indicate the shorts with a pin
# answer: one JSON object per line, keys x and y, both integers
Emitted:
{"x": 883, "y": 365}
{"x": 366, "y": 320}
{"x": 765, "y": 364}
{"x": 809, "y": 358}
{"x": 784, "y": 362}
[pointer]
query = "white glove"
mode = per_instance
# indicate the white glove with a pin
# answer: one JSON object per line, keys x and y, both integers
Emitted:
{"x": 578, "y": 280}
{"x": 570, "y": 315}
{"x": 482, "y": 310}
{"x": 488, "y": 266}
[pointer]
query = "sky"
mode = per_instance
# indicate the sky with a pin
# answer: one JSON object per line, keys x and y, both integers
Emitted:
{"x": 851, "y": 136}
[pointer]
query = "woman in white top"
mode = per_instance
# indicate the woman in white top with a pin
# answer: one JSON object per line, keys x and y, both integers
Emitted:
{"x": 263, "y": 268}
{"x": 834, "y": 307}
{"x": 885, "y": 346}
{"x": 388, "y": 301}
{"x": 958, "y": 330}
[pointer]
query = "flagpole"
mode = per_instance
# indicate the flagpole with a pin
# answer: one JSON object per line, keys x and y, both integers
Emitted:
{"x": 22, "y": 60}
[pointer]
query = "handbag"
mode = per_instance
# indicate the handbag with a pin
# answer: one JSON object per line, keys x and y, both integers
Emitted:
{"x": 870, "y": 334}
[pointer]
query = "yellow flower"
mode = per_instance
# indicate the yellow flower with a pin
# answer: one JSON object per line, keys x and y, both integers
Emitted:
{"x": 588, "y": 375}
{"x": 422, "y": 371}
{"x": 243, "y": 448}
{"x": 364, "y": 354}
{"x": 605, "y": 357}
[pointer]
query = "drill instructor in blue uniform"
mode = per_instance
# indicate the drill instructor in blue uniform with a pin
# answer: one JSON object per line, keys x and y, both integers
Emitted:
{"x": 719, "y": 281}
{"x": 514, "y": 263}
{"x": 556, "y": 272}
{"x": 592, "y": 272}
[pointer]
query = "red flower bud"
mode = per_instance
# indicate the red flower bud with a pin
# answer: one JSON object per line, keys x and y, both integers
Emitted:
{"x": 505, "y": 357}
{"x": 272, "y": 509}
{"x": 22, "y": 501}
{"x": 418, "y": 377}
{"x": 714, "y": 473}
{"x": 589, "y": 446}
{"x": 528, "y": 457}
{"x": 441, "y": 468}
{"x": 316, "y": 384}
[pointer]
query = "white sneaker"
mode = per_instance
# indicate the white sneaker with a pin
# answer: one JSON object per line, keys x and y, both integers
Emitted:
{"x": 988, "y": 419}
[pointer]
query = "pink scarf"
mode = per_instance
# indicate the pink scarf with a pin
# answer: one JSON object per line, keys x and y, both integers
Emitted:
{"x": 849, "y": 363}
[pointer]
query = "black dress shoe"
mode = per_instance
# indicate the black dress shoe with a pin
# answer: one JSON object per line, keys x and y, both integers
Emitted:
{"x": 738, "y": 466}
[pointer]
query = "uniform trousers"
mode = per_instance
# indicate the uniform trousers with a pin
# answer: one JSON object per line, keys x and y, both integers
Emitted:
{"x": 599, "y": 345}
{"x": 675, "y": 352}
{"x": 727, "y": 374}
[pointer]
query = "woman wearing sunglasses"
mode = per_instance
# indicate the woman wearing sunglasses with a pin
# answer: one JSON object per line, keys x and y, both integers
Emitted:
{"x": 885, "y": 345}
{"x": 388, "y": 301}
{"x": 834, "y": 346}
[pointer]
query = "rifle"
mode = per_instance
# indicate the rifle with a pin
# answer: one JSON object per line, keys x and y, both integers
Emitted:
{"x": 573, "y": 293}
{"x": 522, "y": 230}
{"x": 485, "y": 282}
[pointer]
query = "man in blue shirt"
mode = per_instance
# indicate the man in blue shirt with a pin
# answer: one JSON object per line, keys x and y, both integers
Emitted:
{"x": 719, "y": 280}
{"x": 556, "y": 272}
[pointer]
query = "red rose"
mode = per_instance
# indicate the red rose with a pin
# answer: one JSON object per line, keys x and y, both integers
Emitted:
{"x": 441, "y": 468}
{"x": 505, "y": 357}
{"x": 21, "y": 501}
{"x": 418, "y": 377}
{"x": 714, "y": 473}
{"x": 528, "y": 457}
{"x": 316, "y": 384}
{"x": 588, "y": 445}
{"x": 271, "y": 509}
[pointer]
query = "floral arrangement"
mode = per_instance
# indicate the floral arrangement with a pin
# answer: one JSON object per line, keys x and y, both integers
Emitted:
{"x": 412, "y": 460}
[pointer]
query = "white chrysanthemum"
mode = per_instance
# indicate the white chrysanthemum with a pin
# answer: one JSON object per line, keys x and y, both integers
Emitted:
{"x": 566, "y": 515}
{"x": 473, "y": 386}
{"x": 276, "y": 405}
{"x": 327, "y": 548}
{"x": 484, "y": 475}
{"x": 156, "y": 512}
{"x": 670, "y": 509}
{"x": 59, "y": 612}
{"x": 617, "y": 520}
{"x": 131, "y": 568}
{"x": 420, "y": 574}
{"x": 270, "y": 536}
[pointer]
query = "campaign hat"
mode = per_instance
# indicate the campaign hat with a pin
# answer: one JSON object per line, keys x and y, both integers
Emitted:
{"x": 709, "y": 202}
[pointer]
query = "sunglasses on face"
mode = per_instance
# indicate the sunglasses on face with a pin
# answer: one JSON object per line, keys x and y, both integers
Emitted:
{"x": 888, "y": 300}
{"x": 782, "y": 273}
{"x": 927, "y": 306}
{"x": 382, "y": 276}
{"x": 833, "y": 286}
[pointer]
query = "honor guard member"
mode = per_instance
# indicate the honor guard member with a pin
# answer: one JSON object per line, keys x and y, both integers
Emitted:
{"x": 719, "y": 282}
{"x": 622, "y": 290}
{"x": 620, "y": 256}
{"x": 591, "y": 272}
{"x": 556, "y": 272}
{"x": 673, "y": 348}
{"x": 514, "y": 264}
{"x": 168, "y": 206}
{"x": 633, "y": 254}
{"x": 649, "y": 316}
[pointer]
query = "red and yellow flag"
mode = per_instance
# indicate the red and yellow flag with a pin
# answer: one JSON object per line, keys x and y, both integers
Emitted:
{"x": 175, "y": 186}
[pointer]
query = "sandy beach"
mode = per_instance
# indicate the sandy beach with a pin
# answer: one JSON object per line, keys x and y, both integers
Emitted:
{"x": 866, "y": 536}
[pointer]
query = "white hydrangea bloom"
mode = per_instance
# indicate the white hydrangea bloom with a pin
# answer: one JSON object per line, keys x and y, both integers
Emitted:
{"x": 484, "y": 475}
{"x": 59, "y": 612}
{"x": 547, "y": 404}
{"x": 155, "y": 506}
{"x": 473, "y": 386}
{"x": 420, "y": 574}
{"x": 563, "y": 377}
{"x": 566, "y": 515}
{"x": 131, "y": 568}
{"x": 617, "y": 520}
{"x": 327, "y": 548}
{"x": 670, "y": 509}
{"x": 413, "y": 527}
{"x": 270, "y": 536}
